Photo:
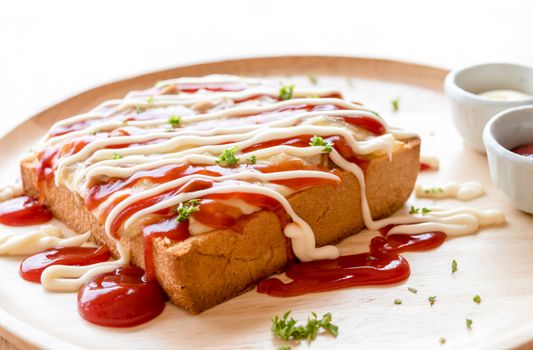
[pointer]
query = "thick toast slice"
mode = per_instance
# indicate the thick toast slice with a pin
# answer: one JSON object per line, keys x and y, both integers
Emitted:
{"x": 206, "y": 270}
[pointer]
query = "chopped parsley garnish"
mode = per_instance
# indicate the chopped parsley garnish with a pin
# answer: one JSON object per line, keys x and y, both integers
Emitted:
{"x": 395, "y": 105}
{"x": 313, "y": 79}
{"x": 412, "y": 290}
{"x": 93, "y": 132}
{"x": 397, "y": 301}
{"x": 434, "y": 190}
{"x": 139, "y": 109}
{"x": 319, "y": 141}
{"x": 442, "y": 340}
{"x": 284, "y": 347}
{"x": 454, "y": 266}
{"x": 185, "y": 210}
{"x": 285, "y": 92}
{"x": 150, "y": 99}
{"x": 174, "y": 120}
{"x": 285, "y": 328}
{"x": 116, "y": 156}
{"x": 227, "y": 157}
{"x": 432, "y": 299}
{"x": 476, "y": 299}
{"x": 469, "y": 323}
{"x": 423, "y": 211}
{"x": 251, "y": 160}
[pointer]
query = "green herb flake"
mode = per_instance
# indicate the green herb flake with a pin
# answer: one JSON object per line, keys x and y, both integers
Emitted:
{"x": 285, "y": 92}
{"x": 442, "y": 340}
{"x": 150, "y": 99}
{"x": 228, "y": 158}
{"x": 313, "y": 79}
{"x": 286, "y": 328}
{"x": 185, "y": 210}
{"x": 284, "y": 347}
{"x": 371, "y": 258}
{"x": 469, "y": 323}
{"x": 477, "y": 299}
{"x": 397, "y": 301}
{"x": 413, "y": 210}
{"x": 454, "y": 266}
{"x": 138, "y": 109}
{"x": 174, "y": 120}
{"x": 412, "y": 290}
{"x": 395, "y": 104}
{"x": 92, "y": 133}
{"x": 116, "y": 156}
{"x": 423, "y": 211}
{"x": 432, "y": 299}
{"x": 251, "y": 160}
{"x": 319, "y": 141}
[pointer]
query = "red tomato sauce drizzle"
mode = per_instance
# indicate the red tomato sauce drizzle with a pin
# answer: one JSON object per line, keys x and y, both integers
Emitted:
{"x": 32, "y": 267}
{"x": 23, "y": 211}
{"x": 122, "y": 298}
{"x": 129, "y": 296}
{"x": 381, "y": 265}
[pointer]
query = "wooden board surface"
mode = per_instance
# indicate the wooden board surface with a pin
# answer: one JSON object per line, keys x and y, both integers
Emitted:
{"x": 495, "y": 263}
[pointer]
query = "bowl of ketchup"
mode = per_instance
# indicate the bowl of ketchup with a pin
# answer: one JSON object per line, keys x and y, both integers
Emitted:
{"x": 508, "y": 139}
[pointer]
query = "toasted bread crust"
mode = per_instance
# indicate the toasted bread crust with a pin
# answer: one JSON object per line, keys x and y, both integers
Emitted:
{"x": 205, "y": 270}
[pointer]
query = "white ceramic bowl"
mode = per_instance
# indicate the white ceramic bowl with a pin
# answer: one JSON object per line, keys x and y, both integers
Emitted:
{"x": 470, "y": 111}
{"x": 512, "y": 173}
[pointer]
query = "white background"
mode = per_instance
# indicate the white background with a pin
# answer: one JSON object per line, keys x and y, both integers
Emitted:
{"x": 50, "y": 50}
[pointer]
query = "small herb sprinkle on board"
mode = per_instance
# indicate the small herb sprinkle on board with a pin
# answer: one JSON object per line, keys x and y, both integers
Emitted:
{"x": 477, "y": 299}
{"x": 454, "y": 266}
{"x": 412, "y": 290}
{"x": 395, "y": 104}
{"x": 469, "y": 323}
{"x": 397, "y": 301}
{"x": 286, "y": 328}
{"x": 432, "y": 299}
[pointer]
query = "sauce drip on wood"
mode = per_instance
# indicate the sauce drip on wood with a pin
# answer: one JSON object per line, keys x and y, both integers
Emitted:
{"x": 122, "y": 298}
{"x": 32, "y": 267}
{"x": 23, "y": 211}
{"x": 382, "y": 265}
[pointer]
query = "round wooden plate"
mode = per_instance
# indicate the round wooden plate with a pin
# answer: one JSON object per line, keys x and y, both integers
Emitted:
{"x": 495, "y": 263}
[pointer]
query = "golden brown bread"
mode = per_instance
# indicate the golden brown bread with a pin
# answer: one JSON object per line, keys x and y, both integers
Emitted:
{"x": 205, "y": 270}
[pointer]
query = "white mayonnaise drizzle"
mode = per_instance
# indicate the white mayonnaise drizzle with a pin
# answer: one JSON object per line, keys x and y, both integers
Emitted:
{"x": 454, "y": 222}
{"x": 10, "y": 191}
{"x": 462, "y": 191}
{"x": 190, "y": 144}
{"x": 63, "y": 278}
{"x": 46, "y": 237}
{"x": 432, "y": 162}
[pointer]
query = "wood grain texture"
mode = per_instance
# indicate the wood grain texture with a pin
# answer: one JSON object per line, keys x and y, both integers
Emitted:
{"x": 496, "y": 263}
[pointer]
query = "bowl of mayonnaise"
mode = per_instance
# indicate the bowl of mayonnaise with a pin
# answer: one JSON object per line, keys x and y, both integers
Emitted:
{"x": 479, "y": 92}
